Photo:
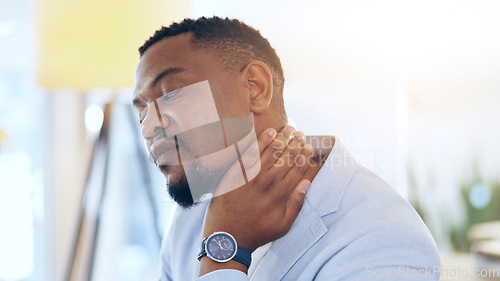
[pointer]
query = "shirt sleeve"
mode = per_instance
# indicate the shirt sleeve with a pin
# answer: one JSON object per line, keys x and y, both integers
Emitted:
{"x": 224, "y": 274}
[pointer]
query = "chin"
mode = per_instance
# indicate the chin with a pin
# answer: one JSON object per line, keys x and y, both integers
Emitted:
{"x": 177, "y": 186}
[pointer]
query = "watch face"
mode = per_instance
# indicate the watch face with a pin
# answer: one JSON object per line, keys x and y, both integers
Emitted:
{"x": 221, "y": 247}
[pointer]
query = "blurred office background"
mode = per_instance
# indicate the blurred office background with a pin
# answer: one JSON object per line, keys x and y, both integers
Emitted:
{"x": 412, "y": 88}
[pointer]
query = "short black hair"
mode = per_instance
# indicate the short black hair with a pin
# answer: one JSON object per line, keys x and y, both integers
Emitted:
{"x": 234, "y": 42}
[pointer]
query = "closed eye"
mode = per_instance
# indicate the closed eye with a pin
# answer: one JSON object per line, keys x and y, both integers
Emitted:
{"x": 170, "y": 96}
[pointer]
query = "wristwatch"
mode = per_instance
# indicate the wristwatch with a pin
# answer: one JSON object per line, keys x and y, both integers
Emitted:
{"x": 222, "y": 247}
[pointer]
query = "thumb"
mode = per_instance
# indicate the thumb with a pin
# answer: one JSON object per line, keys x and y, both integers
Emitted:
{"x": 295, "y": 203}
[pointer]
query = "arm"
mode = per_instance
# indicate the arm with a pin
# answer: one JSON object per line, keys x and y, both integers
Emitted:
{"x": 275, "y": 194}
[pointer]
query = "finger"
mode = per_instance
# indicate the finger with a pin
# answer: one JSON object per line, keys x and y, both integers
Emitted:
{"x": 265, "y": 138}
{"x": 287, "y": 159}
{"x": 297, "y": 172}
{"x": 298, "y": 143}
{"x": 292, "y": 151}
{"x": 294, "y": 204}
{"x": 274, "y": 150}
{"x": 301, "y": 138}
{"x": 302, "y": 162}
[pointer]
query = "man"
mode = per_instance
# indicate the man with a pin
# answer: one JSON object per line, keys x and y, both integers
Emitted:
{"x": 350, "y": 226}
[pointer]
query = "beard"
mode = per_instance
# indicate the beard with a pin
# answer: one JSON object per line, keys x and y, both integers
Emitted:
{"x": 190, "y": 181}
{"x": 180, "y": 192}
{"x": 179, "y": 189}
{"x": 177, "y": 184}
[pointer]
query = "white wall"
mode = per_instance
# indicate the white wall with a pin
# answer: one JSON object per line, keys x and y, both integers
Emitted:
{"x": 401, "y": 83}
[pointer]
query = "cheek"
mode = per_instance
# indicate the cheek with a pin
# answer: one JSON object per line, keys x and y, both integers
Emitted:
{"x": 197, "y": 108}
{"x": 230, "y": 105}
{"x": 192, "y": 116}
{"x": 229, "y": 95}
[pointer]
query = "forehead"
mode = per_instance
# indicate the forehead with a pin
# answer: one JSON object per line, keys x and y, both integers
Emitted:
{"x": 175, "y": 53}
{"x": 170, "y": 52}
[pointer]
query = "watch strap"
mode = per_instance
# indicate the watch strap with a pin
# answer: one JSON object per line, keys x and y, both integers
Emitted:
{"x": 243, "y": 256}
{"x": 202, "y": 253}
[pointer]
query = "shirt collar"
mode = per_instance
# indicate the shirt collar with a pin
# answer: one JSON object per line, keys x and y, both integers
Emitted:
{"x": 329, "y": 185}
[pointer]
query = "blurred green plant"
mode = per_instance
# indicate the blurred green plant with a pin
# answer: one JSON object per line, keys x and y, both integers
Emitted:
{"x": 480, "y": 199}
{"x": 488, "y": 210}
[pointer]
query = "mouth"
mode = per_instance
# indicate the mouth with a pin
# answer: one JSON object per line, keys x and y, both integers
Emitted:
{"x": 169, "y": 170}
{"x": 164, "y": 152}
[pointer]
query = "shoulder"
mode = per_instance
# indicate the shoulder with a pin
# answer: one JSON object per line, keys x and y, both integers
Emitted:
{"x": 378, "y": 224}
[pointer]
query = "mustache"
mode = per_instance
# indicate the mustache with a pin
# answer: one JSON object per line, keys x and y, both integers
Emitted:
{"x": 206, "y": 139}
{"x": 160, "y": 133}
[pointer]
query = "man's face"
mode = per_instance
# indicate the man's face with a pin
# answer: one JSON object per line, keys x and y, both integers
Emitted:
{"x": 167, "y": 66}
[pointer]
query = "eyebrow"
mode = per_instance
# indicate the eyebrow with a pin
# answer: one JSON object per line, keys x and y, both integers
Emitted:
{"x": 163, "y": 74}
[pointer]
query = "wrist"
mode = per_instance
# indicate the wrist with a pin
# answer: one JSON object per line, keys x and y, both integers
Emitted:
{"x": 207, "y": 265}
{"x": 220, "y": 250}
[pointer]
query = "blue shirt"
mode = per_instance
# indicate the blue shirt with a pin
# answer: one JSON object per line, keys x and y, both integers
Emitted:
{"x": 352, "y": 226}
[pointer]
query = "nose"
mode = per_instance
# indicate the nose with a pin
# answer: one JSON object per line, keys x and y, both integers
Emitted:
{"x": 154, "y": 121}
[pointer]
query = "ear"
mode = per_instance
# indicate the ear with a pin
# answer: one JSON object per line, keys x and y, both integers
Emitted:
{"x": 260, "y": 85}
